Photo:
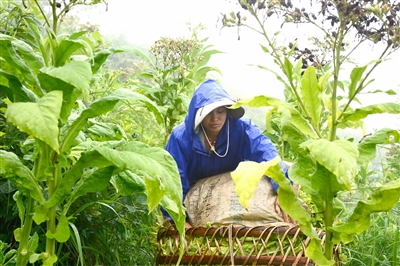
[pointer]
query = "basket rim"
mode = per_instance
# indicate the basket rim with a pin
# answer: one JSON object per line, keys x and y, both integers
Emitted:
{"x": 237, "y": 230}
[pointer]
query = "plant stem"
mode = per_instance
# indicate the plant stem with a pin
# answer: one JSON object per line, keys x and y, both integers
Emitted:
{"x": 23, "y": 254}
{"x": 52, "y": 182}
{"x": 42, "y": 12}
{"x": 336, "y": 69}
{"x": 328, "y": 220}
{"x": 51, "y": 227}
{"x": 55, "y": 17}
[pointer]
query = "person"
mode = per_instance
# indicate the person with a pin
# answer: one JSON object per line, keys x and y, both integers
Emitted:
{"x": 214, "y": 139}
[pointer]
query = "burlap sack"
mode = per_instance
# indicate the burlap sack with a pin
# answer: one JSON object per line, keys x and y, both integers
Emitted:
{"x": 214, "y": 200}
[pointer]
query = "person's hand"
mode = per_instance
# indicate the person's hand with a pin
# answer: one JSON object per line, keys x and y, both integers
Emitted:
{"x": 187, "y": 225}
{"x": 287, "y": 164}
{"x": 279, "y": 211}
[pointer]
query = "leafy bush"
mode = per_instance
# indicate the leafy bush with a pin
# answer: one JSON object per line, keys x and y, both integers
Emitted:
{"x": 73, "y": 154}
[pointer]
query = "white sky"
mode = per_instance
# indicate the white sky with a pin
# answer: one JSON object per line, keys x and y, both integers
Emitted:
{"x": 145, "y": 21}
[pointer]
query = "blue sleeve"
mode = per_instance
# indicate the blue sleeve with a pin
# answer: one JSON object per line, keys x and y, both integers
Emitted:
{"x": 175, "y": 149}
{"x": 177, "y": 152}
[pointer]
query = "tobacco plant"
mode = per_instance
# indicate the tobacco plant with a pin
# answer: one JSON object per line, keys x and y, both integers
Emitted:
{"x": 318, "y": 102}
{"x": 175, "y": 67}
{"x": 43, "y": 76}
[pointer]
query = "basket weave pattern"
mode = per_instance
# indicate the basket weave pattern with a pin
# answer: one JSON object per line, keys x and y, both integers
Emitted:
{"x": 236, "y": 245}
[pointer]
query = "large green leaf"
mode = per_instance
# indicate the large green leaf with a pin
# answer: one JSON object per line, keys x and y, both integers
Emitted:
{"x": 383, "y": 199}
{"x": 38, "y": 119}
{"x": 128, "y": 183}
{"x": 339, "y": 157}
{"x": 12, "y": 168}
{"x": 158, "y": 164}
{"x": 313, "y": 250}
{"x": 134, "y": 156}
{"x": 314, "y": 180}
{"x": 32, "y": 59}
{"x": 362, "y": 112}
{"x": 247, "y": 176}
{"x": 297, "y": 118}
{"x": 21, "y": 57}
{"x": 71, "y": 79}
{"x": 76, "y": 73}
{"x": 311, "y": 95}
{"x": 367, "y": 146}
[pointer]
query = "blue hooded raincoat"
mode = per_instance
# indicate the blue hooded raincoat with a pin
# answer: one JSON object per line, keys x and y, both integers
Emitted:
{"x": 246, "y": 142}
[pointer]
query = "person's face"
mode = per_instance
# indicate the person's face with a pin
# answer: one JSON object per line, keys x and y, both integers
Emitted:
{"x": 215, "y": 120}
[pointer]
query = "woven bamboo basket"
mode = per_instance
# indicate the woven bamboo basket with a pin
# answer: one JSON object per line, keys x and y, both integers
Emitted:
{"x": 236, "y": 245}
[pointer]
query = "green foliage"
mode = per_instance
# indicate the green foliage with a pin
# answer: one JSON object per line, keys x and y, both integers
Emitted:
{"x": 114, "y": 230}
{"x": 146, "y": 124}
{"x": 73, "y": 154}
{"x": 177, "y": 67}
{"x": 6, "y": 256}
{"x": 167, "y": 75}
{"x": 324, "y": 165}
{"x": 379, "y": 244}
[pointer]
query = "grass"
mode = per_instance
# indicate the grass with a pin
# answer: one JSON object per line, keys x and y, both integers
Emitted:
{"x": 379, "y": 245}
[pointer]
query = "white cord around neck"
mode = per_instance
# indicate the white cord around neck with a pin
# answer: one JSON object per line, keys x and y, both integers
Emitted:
{"x": 212, "y": 146}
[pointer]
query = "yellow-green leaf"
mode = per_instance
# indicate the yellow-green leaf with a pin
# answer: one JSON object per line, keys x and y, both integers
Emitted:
{"x": 382, "y": 199}
{"x": 38, "y": 119}
{"x": 247, "y": 176}
{"x": 311, "y": 95}
{"x": 298, "y": 120}
{"x": 339, "y": 157}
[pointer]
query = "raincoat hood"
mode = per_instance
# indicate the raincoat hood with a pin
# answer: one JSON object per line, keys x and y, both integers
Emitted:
{"x": 208, "y": 96}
